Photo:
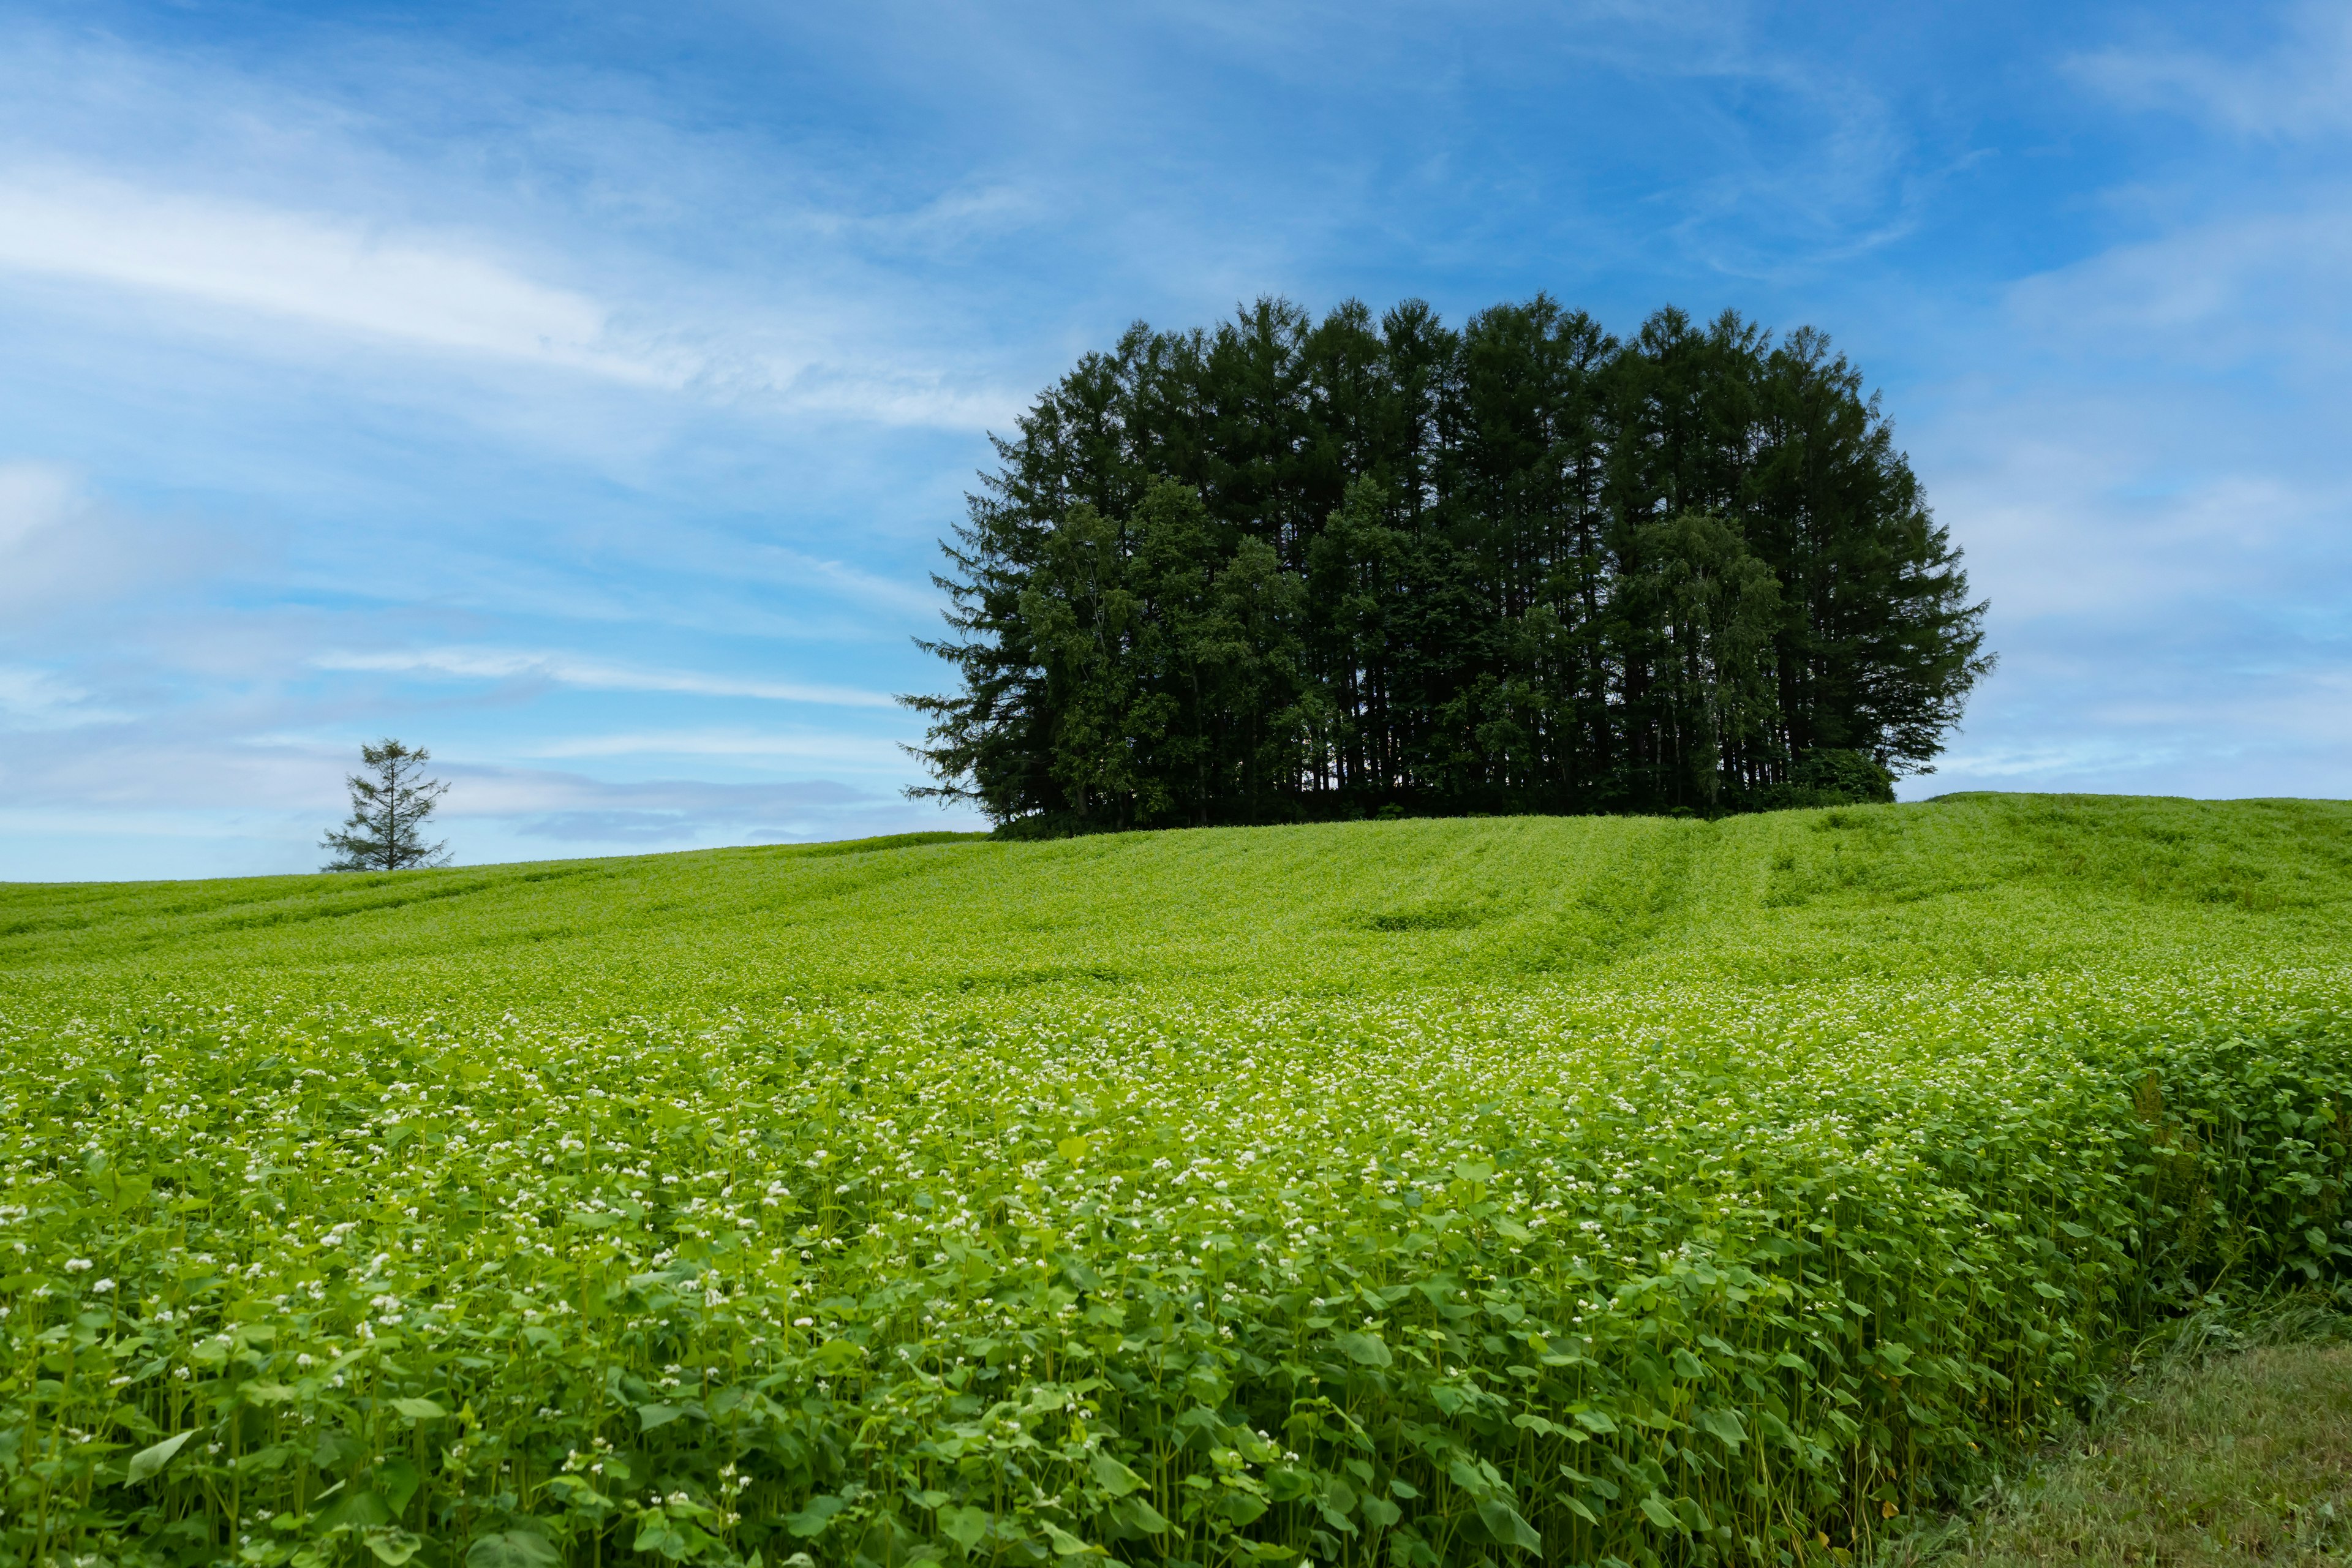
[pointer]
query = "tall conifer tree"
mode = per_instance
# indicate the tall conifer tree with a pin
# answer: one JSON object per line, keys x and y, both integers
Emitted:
{"x": 1284, "y": 568}
{"x": 390, "y": 803}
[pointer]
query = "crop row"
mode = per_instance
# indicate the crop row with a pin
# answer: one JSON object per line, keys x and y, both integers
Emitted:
{"x": 1693, "y": 1276}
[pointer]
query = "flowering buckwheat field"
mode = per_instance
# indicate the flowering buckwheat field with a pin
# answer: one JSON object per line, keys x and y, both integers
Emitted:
{"x": 1408, "y": 1193}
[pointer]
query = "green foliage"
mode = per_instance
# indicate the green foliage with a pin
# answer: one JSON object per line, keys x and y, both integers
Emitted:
{"x": 390, "y": 803}
{"x": 2233, "y": 1461}
{"x": 1826, "y": 776}
{"x": 1290, "y": 570}
{"x": 1967, "y": 886}
{"x": 822, "y": 1202}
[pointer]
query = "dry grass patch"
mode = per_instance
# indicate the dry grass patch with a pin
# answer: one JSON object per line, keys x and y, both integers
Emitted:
{"x": 2244, "y": 1459}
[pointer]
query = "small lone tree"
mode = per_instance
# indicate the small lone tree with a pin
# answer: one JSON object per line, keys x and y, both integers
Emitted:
{"x": 388, "y": 804}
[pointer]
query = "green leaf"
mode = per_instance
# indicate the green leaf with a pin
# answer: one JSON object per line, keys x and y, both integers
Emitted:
{"x": 839, "y": 1355}
{"x": 811, "y": 1520}
{"x": 357, "y": 1511}
{"x": 1113, "y": 1477}
{"x": 576, "y": 1492}
{"x": 1365, "y": 1350}
{"x": 1139, "y": 1515}
{"x": 1723, "y": 1425}
{"x": 1503, "y": 1522}
{"x": 964, "y": 1526}
{"x": 652, "y": 1416}
{"x": 419, "y": 1409}
{"x": 1654, "y": 1509}
{"x": 392, "y": 1545}
{"x": 511, "y": 1549}
{"x": 1595, "y": 1422}
{"x": 656, "y": 1534}
{"x": 397, "y": 1479}
{"x": 1064, "y": 1544}
{"x": 146, "y": 1462}
{"x": 1073, "y": 1149}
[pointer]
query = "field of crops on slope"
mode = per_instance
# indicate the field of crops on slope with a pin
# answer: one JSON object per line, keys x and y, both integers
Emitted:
{"x": 1982, "y": 885}
{"x": 1411, "y": 1194}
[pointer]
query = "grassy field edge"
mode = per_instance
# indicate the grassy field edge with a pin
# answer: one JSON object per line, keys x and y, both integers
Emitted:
{"x": 2225, "y": 1442}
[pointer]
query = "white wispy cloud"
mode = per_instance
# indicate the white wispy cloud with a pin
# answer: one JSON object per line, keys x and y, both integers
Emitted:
{"x": 2302, "y": 86}
{"x": 599, "y": 675}
{"x": 32, "y": 699}
{"x": 431, "y": 292}
{"x": 835, "y": 751}
{"x": 362, "y": 275}
{"x": 2240, "y": 283}
{"x": 61, "y": 549}
{"x": 2028, "y": 766}
{"x": 856, "y": 583}
{"x": 524, "y": 807}
{"x": 35, "y": 498}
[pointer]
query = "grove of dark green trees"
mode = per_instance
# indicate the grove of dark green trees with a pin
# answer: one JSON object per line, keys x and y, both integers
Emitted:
{"x": 1290, "y": 569}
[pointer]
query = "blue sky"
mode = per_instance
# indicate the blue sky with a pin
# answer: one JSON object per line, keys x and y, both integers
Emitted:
{"x": 580, "y": 392}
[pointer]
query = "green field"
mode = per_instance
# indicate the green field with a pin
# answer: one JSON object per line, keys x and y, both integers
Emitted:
{"x": 1409, "y": 1193}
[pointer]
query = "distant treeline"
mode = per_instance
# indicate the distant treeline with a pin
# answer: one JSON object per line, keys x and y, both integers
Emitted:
{"x": 1289, "y": 568}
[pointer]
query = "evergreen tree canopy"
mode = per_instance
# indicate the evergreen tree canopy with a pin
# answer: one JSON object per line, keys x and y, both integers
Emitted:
{"x": 390, "y": 803}
{"x": 1290, "y": 569}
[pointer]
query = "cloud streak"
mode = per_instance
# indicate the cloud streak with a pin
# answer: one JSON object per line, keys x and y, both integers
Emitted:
{"x": 2301, "y": 87}
{"x": 39, "y": 700}
{"x": 590, "y": 674}
{"x": 421, "y": 291}
{"x": 812, "y": 750}
{"x": 62, "y": 551}
{"x": 537, "y": 804}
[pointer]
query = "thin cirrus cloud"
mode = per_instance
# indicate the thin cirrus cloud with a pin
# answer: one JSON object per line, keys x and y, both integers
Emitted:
{"x": 319, "y": 269}
{"x": 526, "y": 807}
{"x": 450, "y": 295}
{"x": 61, "y": 551}
{"x": 828, "y": 750}
{"x": 33, "y": 699}
{"x": 2301, "y": 87}
{"x": 2216, "y": 291}
{"x": 594, "y": 675}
